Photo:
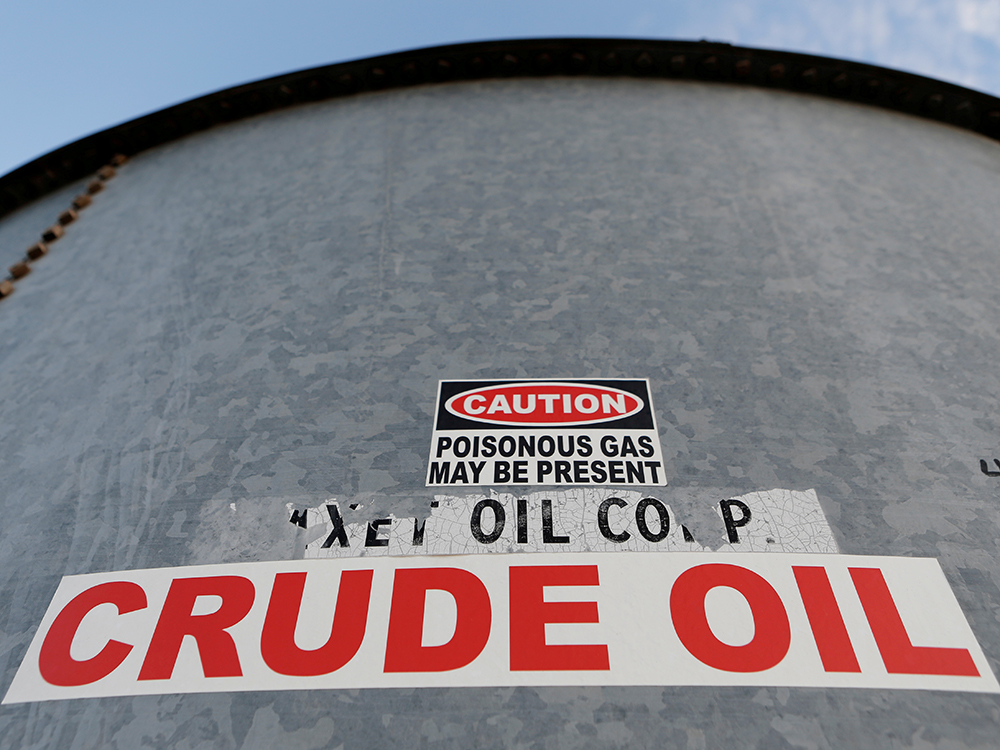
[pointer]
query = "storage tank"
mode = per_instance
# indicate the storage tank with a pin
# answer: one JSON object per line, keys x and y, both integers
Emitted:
{"x": 548, "y": 393}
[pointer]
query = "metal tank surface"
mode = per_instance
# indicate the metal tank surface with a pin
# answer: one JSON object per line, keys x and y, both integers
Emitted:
{"x": 251, "y": 322}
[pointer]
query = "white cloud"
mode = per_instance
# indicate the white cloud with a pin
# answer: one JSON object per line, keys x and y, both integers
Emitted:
{"x": 980, "y": 17}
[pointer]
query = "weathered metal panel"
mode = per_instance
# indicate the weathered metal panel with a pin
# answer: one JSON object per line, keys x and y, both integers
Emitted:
{"x": 259, "y": 315}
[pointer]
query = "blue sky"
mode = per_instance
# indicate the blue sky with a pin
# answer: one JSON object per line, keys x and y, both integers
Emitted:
{"x": 71, "y": 68}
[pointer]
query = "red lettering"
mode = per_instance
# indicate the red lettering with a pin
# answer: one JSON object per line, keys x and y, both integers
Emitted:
{"x": 215, "y": 646}
{"x": 277, "y": 639}
{"x": 529, "y": 613}
{"x": 826, "y": 621}
{"x": 55, "y": 663}
{"x": 772, "y": 634}
{"x": 898, "y": 653}
{"x": 403, "y": 649}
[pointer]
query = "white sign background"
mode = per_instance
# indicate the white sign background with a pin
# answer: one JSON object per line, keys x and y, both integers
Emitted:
{"x": 635, "y": 623}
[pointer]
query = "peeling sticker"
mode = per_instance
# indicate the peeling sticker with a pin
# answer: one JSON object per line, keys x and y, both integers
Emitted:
{"x": 577, "y": 520}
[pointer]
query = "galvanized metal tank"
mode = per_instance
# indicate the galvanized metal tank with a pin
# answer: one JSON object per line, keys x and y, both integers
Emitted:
{"x": 253, "y": 317}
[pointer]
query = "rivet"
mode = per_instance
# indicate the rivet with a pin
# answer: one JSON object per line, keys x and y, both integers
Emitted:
{"x": 903, "y": 95}
{"x": 644, "y": 61}
{"x": 6, "y": 288}
{"x": 776, "y": 72}
{"x": 95, "y": 187}
{"x": 509, "y": 63}
{"x": 742, "y": 68}
{"x": 107, "y": 172}
{"x": 577, "y": 62}
{"x": 476, "y": 66}
{"x": 710, "y": 64}
{"x": 965, "y": 113}
{"x": 82, "y": 201}
{"x": 345, "y": 81}
{"x": 68, "y": 216}
{"x": 285, "y": 91}
{"x": 934, "y": 102}
{"x": 378, "y": 77}
{"x": 20, "y": 270}
{"x": 677, "y": 63}
{"x": 53, "y": 233}
{"x": 611, "y": 62}
{"x": 409, "y": 71}
{"x": 809, "y": 76}
{"x": 37, "y": 250}
{"x": 872, "y": 87}
{"x": 840, "y": 81}
{"x": 442, "y": 68}
{"x": 118, "y": 159}
{"x": 543, "y": 62}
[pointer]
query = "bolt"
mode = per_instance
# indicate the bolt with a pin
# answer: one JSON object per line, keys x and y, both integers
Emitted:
{"x": 577, "y": 62}
{"x": 442, "y": 68}
{"x": 37, "y": 250}
{"x": 20, "y": 270}
{"x": 965, "y": 113}
{"x": 6, "y": 288}
{"x": 809, "y": 76}
{"x": 409, "y": 71}
{"x": 677, "y": 63}
{"x": 543, "y": 62}
{"x": 509, "y": 63}
{"x": 841, "y": 81}
{"x": 346, "y": 81}
{"x": 776, "y": 72}
{"x": 644, "y": 61}
{"x": 106, "y": 173}
{"x": 476, "y": 67}
{"x": 710, "y": 64}
{"x": 53, "y": 233}
{"x": 95, "y": 187}
{"x": 67, "y": 217}
{"x": 742, "y": 68}
{"x": 82, "y": 201}
{"x": 611, "y": 62}
{"x": 934, "y": 102}
{"x": 118, "y": 159}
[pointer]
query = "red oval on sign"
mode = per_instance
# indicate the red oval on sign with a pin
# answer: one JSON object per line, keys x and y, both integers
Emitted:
{"x": 544, "y": 404}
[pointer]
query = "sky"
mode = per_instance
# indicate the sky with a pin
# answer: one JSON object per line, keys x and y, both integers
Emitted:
{"x": 68, "y": 69}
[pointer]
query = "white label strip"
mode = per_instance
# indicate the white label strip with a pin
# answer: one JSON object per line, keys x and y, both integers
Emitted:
{"x": 504, "y": 620}
{"x": 579, "y": 520}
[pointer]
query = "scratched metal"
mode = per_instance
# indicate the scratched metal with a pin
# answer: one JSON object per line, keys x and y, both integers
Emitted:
{"x": 259, "y": 315}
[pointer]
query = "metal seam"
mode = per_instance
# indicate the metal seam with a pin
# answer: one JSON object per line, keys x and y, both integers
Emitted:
{"x": 55, "y": 232}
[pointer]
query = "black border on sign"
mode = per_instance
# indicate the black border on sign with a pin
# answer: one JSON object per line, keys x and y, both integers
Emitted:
{"x": 642, "y": 420}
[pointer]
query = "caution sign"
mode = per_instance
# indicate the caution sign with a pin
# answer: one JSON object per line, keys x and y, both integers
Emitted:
{"x": 544, "y": 432}
{"x": 647, "y": 618}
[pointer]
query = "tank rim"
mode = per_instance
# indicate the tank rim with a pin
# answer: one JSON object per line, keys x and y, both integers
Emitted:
{"x": 704, "y": 61}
